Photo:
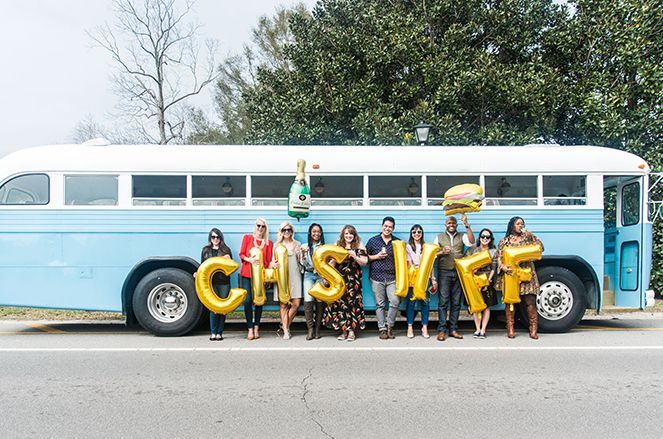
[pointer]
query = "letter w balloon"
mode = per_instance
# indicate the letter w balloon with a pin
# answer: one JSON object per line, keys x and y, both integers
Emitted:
{"x": 336, "y": 287}
{"x": 206, "y": 293}
{"x": 471, "y": 282}
{"x": 513, "y": 257}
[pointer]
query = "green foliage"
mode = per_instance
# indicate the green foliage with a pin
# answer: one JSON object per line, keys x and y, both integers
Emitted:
{"x": 364, "y": 72}
{"x": 237, "y": 76}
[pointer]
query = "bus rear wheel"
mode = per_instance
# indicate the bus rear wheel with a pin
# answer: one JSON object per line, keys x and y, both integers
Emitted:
{"x": 165, "y": 302}
{"x": 561, "y": 300}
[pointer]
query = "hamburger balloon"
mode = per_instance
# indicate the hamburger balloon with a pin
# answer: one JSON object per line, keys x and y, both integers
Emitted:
{"x": 463, "y": 198}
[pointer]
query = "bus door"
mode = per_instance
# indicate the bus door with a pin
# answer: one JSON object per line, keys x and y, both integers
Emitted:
{"x": 629, "y": 244}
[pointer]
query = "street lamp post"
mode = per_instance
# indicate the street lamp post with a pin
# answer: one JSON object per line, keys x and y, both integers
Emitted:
{"x": 421, "y": 132}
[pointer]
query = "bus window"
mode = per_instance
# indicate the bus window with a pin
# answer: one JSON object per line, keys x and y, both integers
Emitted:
{"x": 510, "y": 190}
{"x": 159, "y": 190}
{"x": 270, "y": 190}
{"x": 631, "y": 204}
{"x": 564, "y": 190}
{"x": 438, "y": 184}
{"x": 394, "y": 190}
{"x": 90, "y": 190}
{"x": 217, "y": 190}
{"x": 327, "y": 190}
{"x": 25, "y": 189}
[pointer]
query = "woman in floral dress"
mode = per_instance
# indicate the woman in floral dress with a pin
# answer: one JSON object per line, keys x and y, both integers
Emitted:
{"x": 347, "y": 313}
{"x": 518, "y": 236}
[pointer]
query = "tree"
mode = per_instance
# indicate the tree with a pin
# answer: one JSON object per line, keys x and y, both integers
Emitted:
{"x": 237, "y": 76}
{"x": 364, "y": 72}
{"x": 157, "y": 55}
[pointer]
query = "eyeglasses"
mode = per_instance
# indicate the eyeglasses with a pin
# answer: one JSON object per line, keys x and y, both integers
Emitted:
{"x": 260, "y": 226}
{"x": 286, "y": 230}
{"x": 214, "y": 237}
{"x": 485, "y": 236}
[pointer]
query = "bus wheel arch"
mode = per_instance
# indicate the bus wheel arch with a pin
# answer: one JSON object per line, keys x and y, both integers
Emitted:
{"x": 180, "y": 267}
{"x": 561, "y": 302}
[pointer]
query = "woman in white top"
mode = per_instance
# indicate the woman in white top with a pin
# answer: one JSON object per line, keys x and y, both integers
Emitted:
{"x": 288, "y": 311}
{"x": 414, "y": 247}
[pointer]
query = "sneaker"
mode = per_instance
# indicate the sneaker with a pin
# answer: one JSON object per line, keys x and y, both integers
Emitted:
{"x": 477, "y": 334}
{"x": 482, "y": 335}
{"x": 383, "y": 334}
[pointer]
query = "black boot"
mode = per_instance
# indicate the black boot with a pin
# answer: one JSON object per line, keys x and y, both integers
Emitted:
{"x": 319, "y": 308}
{"x": 308, "y": 314}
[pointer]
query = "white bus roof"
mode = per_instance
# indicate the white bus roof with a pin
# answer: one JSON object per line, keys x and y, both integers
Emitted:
{"x": 266, "y": 159}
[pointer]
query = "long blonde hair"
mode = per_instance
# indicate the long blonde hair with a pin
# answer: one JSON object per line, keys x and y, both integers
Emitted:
{"x": 279, "y": 235}
{"x": 265, "y": 232}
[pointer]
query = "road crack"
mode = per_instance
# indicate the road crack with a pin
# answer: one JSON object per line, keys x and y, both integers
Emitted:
{"x": 305, "y": 383}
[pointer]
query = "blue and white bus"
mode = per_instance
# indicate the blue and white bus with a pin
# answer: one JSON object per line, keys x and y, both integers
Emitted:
{"x": 119, "y": 228}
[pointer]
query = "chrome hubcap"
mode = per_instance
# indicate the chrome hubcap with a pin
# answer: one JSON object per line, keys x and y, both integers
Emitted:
{"x": 167, "y": 302}
{"x": 555, "y": 300}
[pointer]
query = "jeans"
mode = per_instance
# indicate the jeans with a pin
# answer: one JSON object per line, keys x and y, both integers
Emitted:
{"x": 245, "y": 282}
{"x": 450, "y": 292}
{"x": 216, "y": 321}
{"x": 385, "y": 291}
{"x": 310, "y": 278}
{"x": 409, "y": 309}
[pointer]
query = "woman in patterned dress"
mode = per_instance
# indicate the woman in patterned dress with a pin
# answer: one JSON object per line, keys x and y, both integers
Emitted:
{"x": 518, "y": 236}
{"x": 347, "y": 313}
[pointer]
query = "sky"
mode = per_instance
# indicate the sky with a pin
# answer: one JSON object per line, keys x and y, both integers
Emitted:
{"x": 52, "y": 77}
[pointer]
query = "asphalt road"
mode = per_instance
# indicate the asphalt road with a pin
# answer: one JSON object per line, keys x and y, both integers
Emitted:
{"x": 602, "y": 380}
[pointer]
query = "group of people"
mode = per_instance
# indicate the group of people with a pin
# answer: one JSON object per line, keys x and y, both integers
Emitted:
{"x": 346, "y": 315}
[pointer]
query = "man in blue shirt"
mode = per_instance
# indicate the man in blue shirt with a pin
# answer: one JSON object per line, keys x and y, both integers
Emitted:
{"x": 382, "y": 274}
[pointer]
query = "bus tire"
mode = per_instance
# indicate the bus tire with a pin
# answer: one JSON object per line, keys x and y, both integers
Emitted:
{"x": 561, "y": 300}
{"x": 165, "y": 302}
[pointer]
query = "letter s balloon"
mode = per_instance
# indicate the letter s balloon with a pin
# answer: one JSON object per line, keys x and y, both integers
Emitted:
{"x": 336, "y": 287}
{"x": 206, "y": 293}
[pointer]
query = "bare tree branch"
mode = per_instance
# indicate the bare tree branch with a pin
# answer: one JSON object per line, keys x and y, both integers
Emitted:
{"x": 154, "y": 47}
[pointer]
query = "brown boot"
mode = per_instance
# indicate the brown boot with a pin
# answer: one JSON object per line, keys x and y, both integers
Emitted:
{"x": 308, "y": 315}
{"x": 510, "y": 317}
{"x": 532, "y": 316}
{"x": 319, "y": 308}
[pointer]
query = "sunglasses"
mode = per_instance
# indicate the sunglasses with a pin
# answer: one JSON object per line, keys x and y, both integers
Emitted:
{"x": 417, "y": 231}
{"x": 214, "y": 237}
{"x": 286, "y": 230}
{"x": 485, "y": 237}
{"x": 260, "y": 226}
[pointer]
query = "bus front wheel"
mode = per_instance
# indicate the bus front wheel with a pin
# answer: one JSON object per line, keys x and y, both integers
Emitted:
{"x": 561, "y": 300}
{"x": 165, "y": 302}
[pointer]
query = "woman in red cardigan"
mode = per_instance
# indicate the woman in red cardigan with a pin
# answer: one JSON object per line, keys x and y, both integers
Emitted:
{"x": 259, "y": 239}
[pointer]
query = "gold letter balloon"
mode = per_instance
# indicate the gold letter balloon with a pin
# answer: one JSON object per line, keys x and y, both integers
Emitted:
{"x": 259, "y": 277}
{"x": 282, "y": 274}
{"x": 417, "y": 277}
{"x": 513, "y": 257}
{"x": 400, "y": 268}
{"x": 205, "y": 291}
{"x": 336, "y": 288}
{"x": 422, "y": 276}
{"x": 471, "y": 282}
